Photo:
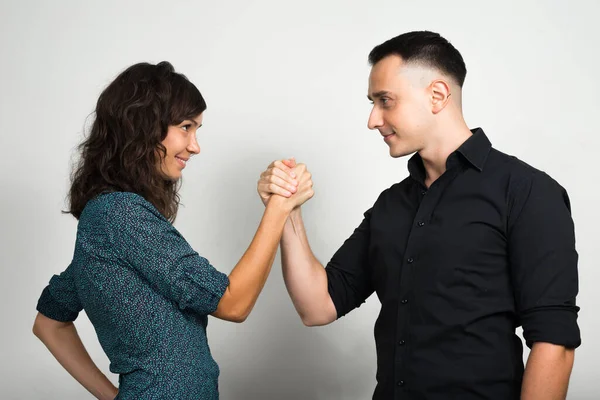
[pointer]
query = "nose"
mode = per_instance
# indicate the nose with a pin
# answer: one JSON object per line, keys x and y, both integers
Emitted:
{"x": 375, "y": 119}
{"x": 193, "y": 146}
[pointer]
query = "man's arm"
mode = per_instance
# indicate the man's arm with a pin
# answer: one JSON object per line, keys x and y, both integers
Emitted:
{"x": 304, "y": 276}
{"x": 543, "y": 260}
{"x": 547, "y": 373}
{"x": 62, "y": 340}
{"x": 320, "y": 295}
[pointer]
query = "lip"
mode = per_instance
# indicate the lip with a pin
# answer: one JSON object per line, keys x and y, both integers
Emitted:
{"x": 388, "y": 137}
{"x": 182, "y": 161}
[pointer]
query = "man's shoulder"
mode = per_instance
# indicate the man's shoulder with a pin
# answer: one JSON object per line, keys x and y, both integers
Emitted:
{"x": 396, "y": 189}
{"x": 521, "y": 178}
{"x": 517, "y": 169}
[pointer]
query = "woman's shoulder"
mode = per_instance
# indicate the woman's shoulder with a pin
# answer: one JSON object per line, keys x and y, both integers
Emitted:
{"x": 111, "y": 205}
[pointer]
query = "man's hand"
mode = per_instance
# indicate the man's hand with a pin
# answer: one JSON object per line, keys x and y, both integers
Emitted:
{"x": 281, "y": 178}
{"x": 302, "y": 193}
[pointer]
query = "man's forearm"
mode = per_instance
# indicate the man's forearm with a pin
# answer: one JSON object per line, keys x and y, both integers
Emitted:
{"x": 547, "y": 373}
{"x": 63, "y": 341}
{"x": 304, "y": 276}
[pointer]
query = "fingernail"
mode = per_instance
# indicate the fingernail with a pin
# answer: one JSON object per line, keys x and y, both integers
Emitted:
{"x": 293, "y": 174}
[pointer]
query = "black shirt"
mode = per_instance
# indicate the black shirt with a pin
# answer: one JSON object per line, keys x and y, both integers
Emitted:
{"x": 458, "y": 267}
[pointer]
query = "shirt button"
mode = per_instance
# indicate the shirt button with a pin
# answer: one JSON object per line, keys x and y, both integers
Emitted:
{"x": 404, "y": 301}
{"x": 424, "y": 192}
{"x": 400, "y": 383}
{"x": 401, "y": 343}
{"x": 410, "y": 260}
{"x": 421, "y": 223}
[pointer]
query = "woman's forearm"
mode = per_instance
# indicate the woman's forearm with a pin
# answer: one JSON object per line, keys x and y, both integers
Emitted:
{"x": 63, "y": 341}
{"x": 248, "y": 277}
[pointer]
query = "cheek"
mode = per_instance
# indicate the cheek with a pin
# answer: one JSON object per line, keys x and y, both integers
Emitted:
{"x": 400, "y": 118}
{"x": 172, "y": 141}
{"x": 414, "y": 116}
{"x": 166, "y": 144}
{"x": 172, "y": 145}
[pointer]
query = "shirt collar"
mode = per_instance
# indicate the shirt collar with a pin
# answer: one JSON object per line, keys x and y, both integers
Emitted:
{"x": 474, "y": 150}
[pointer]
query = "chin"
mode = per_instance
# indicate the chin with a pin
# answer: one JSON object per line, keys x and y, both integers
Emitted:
{"x": 397, "y": 153}
{"x": 173, "y": 177}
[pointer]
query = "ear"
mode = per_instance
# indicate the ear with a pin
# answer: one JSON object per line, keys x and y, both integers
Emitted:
{"x": 440, "y": 95}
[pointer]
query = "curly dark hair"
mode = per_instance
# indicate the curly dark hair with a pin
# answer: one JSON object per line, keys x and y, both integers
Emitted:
{"x": 123, "y": 150}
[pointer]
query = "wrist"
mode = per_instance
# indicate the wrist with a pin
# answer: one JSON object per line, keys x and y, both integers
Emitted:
{"x": 109, "y": 391}
{"x": 296, "y": 213}
{"x": 280, "y": 203}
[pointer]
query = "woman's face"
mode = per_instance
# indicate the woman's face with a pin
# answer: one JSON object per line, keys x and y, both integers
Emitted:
{"x": 181, "y": 144}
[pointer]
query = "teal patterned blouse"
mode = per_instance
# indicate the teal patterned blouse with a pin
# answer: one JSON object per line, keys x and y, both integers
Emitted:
{"x": 147, "y": 293}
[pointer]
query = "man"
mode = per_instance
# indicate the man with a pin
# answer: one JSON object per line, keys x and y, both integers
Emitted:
{"x": 473, "y": 244}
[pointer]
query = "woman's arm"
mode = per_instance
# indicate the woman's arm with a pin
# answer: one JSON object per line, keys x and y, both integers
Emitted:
{"x": 62, "y": 340}
{"x": 248, "y": 278}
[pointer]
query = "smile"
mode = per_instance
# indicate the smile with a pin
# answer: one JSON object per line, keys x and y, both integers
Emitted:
{"x": 181, "y": 161}
{"x": 388, "y": 137}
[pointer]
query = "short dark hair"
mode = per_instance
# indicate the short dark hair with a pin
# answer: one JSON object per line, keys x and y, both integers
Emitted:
{"x": 124, "y": 146}
{"x": 428, "y": 48}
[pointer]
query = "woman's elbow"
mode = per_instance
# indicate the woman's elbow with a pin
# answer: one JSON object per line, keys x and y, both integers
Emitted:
{"x": 239, "y": 318}
{"x": 231, "y": 314}
{"x": 238, "y": 315}
{"x": 38, "y": 328}
{"x": 42, "y": 326}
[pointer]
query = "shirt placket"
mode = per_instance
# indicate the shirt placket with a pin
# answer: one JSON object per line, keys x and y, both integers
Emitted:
{"x": 428, "y": 202}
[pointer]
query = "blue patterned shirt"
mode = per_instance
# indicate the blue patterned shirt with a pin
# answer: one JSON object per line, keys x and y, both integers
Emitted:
{"x": 147, "y": 293}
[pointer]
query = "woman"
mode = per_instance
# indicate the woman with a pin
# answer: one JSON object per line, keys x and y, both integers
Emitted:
{"x": 147, "y": 293}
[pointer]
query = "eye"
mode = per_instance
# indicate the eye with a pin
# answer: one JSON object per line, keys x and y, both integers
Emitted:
{"x": 186, "y": 127}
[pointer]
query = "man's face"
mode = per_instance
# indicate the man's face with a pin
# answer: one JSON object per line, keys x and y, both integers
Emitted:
{"x": 401, "y": 105}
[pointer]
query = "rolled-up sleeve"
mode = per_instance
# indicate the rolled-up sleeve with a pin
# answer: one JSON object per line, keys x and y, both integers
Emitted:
{"x": 59, "y": 300}
{"x": 348, "y": 277}
{"x": 543, "y": 260}
{"x": 150, "y": 244}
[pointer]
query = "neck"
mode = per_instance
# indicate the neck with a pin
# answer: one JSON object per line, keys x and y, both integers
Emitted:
{"x": 441, "y": 143}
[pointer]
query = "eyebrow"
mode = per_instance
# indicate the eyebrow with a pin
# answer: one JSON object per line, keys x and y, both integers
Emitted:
{"x": 194, "y": 122}
{"x": 376, "y": 95}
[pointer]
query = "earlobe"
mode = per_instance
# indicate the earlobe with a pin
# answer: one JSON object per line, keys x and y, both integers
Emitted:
{"x": 440, "y": 92}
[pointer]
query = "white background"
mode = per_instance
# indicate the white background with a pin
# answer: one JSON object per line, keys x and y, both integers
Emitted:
{"x": 281, "y": 79}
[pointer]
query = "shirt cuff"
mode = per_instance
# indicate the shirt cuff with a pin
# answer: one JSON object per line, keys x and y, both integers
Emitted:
{"x": 207, "y": 290}
{"x": 48, "y": 306}
{"x": 556, "y": 325}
